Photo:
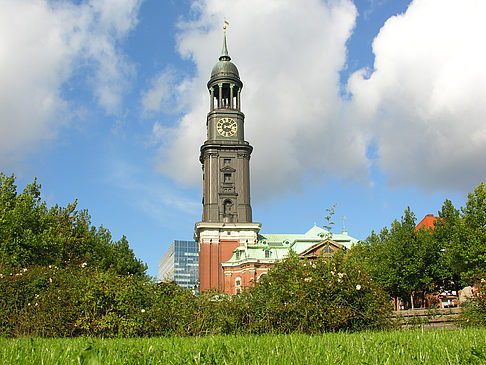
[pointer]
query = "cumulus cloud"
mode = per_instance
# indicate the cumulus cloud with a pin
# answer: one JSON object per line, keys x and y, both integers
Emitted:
{"x": 424, "y": 100}
{"x": 289, "y": 55}
{"x": 42, "y": 44}
{"x": 166, "y": 93}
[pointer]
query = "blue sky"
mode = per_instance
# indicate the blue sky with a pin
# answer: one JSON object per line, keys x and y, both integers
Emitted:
{"x": 371, "y": 105}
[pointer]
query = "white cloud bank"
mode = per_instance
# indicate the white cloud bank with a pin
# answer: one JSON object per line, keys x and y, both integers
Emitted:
{"x": 423, "y": 104}
{"x": 425, "y": 101}
{"x": 42, "y": 44}
{"x": 289, "y": 55}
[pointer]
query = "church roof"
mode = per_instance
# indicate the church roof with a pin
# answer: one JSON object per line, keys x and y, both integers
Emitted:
{"x": 224, "y": 67}
{"x": 279, "y": 245}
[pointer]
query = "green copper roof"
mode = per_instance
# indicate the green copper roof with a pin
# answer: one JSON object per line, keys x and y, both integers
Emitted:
{"x": 279, "y": 245}
{"x": 225, "y": 67}
{"x": 224, "y": 53}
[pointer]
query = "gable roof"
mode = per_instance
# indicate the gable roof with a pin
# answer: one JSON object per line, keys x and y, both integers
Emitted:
{"x": 428, "y": 222}
{"x": 316, "y": 249}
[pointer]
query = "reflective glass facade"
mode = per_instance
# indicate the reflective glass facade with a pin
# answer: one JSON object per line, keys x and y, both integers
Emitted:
{"x": 181, "y": 264}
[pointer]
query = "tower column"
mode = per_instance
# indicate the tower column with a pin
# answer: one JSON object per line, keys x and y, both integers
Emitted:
{"x": 220, "y": 96}
{"x": 211, "y": 105}
{"x": 231, "y": 96}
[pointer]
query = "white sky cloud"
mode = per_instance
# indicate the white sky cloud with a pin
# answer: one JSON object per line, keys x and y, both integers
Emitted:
{"x": 289, "y": 55}
{"x": 423, "y": 104}
{"x": 425, "y": 100}
{"x": 42, "y": 44}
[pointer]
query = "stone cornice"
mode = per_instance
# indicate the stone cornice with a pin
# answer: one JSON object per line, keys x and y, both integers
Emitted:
{"x": 231, "y": 231}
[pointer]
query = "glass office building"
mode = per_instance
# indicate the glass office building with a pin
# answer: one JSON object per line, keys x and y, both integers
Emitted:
{"x": 181, "y": 264}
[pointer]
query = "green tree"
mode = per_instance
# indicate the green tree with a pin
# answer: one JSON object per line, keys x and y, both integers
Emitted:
{"x": 406, "y": 262}
{"x": 465, "y": 237}
{"x": 30, "y": 233}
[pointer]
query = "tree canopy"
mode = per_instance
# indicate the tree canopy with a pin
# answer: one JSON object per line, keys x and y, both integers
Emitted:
{"x": 405, "y": 260}
{"x": 33, "y": 234}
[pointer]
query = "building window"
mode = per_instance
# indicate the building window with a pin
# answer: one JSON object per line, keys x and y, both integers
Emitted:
{"x": 238, "y": 285}
{"x": 227, "y": 161}
{"x": 227, "y": 178}
{"x": 227, "y": 206}
{"x": 327, "y": 249}
{"x": 267, "y": 254}
{"x": 261, "y": 277}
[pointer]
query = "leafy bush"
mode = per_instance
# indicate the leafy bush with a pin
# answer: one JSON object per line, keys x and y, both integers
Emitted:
{"x": 329, "y": 294}
{"x": 68, "y": 301}
{"x": 474, "y": 311}
{"x": 50, "y": 301}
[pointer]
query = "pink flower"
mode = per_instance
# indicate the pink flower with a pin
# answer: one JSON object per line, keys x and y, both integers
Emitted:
{"x": 358, "y": 287}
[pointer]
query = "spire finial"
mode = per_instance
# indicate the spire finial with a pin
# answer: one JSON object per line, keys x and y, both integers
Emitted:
{"x": 344, "y": 226}
{"x": 224, "y": 53}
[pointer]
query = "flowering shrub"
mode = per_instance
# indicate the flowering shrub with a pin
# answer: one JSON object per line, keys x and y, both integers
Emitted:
{"x": 328, "y": 294}
{"x": 474, "y": 312}
{"x": 71, "y": 301}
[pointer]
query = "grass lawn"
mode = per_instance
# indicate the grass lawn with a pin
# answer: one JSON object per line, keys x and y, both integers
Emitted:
{"x": 461, "y": 346}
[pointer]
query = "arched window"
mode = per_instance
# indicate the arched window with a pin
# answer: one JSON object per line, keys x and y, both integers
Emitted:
{"x": 261, "y": 277}
{"x": 227, "y": 207}
{"x": 238, "y": 285}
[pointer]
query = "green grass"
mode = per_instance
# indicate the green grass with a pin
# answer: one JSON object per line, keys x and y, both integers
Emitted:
{"x": 462, "y": 346}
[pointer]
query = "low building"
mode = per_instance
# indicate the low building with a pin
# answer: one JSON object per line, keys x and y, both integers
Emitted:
{"x": 181, "y": 264}
{"x": 250, "y": 261}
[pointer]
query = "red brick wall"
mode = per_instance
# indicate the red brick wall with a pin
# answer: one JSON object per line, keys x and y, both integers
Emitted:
{"x": 211, "y": 255}
{"x": 249, "y": 274}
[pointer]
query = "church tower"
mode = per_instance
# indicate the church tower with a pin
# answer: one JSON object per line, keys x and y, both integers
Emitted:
{"x": 225, "y": 157}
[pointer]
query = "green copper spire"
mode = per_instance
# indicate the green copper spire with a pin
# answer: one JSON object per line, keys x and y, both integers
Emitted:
{"x": 224, "y": 53}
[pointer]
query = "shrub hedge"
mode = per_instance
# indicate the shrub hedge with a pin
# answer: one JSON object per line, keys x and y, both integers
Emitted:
{"x": 326, "y": 295}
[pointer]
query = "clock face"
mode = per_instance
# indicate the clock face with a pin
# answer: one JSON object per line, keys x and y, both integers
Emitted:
{"x": 227, "y": 127}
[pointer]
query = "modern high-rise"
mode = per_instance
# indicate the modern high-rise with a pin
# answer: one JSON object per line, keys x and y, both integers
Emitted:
{"x": 181, "y": 264}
